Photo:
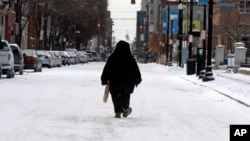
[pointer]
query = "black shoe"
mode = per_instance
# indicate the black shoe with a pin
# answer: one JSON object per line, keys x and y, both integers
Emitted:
{"x": 118, "y": 115}
{"x": 127, "y": 112}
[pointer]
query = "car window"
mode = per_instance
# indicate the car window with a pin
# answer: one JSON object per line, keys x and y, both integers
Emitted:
{"x": 28, "y": 52}
{"x": 3, "y": 46}
{"x": 15, "y": 51}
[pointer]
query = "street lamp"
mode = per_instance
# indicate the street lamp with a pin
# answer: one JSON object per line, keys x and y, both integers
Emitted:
{"x": 75, "y": 38}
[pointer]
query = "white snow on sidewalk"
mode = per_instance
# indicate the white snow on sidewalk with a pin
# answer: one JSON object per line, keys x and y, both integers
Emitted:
{"x": 65, "y": 104}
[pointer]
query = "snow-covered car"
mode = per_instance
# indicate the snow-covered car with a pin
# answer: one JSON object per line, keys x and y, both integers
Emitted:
{"x": 83, "y": 56}
{"x": 65, "y": 57}
{"x": 45, "y": 57}
{"x": 73, "y": 56}
{"x": 31, "y": 60}
{"x": 18, "y": 58}
{"x": 7, "y": 59}
{"x": 53, "y": 58}
{"x": 58, "y": 58}
{"x": 95, "y": 55}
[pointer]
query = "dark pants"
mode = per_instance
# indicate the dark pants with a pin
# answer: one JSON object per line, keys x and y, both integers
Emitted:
{"x": 120, "y": 97}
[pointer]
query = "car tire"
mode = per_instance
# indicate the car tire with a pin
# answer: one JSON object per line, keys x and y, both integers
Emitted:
{"x": 36, "y": 68}
{"x": 39, "y": 69}
{"x": 10, "y": 73}
{"x": 21, "y": 71}
{"x": 13, "y": 74}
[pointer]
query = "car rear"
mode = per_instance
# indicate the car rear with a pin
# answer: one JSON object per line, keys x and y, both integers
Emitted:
{"x": 18, "y": 58}
{"x": 7, "y": 59}
{"x": 45, "y": 57}
{"x": 31, "y": 60}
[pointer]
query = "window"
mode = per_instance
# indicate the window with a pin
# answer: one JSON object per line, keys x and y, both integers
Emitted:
{"x": 245, "y": 6}
{"x": 248, "y": 6}
{"x": 151, "y": 12}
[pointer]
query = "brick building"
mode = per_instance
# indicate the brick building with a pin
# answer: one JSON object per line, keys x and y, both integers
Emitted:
{"x": 231, "y": 23}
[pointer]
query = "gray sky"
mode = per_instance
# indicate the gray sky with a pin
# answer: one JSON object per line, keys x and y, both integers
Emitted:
{"x": 124, "y": 17}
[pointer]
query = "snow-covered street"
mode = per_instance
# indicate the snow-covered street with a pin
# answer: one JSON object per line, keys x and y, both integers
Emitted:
{"x": 65, "y": 104}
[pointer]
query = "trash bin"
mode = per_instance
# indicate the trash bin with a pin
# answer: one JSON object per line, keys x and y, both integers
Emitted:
{"x": 191, "y": 66}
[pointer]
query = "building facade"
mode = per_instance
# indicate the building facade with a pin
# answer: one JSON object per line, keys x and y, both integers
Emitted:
{"x": 231, "y": 23}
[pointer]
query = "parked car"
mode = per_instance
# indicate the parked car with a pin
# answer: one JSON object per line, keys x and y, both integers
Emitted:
{"x": 7, "y": 59}
{"x": 95, "y": 55}
{"x": 57, "y": 57}
{"x": 71, "y": 49}
{"x": 65, "y": 57}
{"x": 45, "y": 57}
{"x": 0, "y": 68}
{"x": 31, "y": 60}
{"x": 72, "y": 56}
{"x": 18, "y": 58}
{"x": 83, "y": 56}
{"x": 90, "y": 56}
{"x": 53, "y": 58}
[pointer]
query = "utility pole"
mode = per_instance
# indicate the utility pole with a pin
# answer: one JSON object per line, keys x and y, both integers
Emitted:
{"x": 204, "y": 40}
{"x": 190, "y": 30}
{"x": 180, "y": 33}
{"x": 167, "y": 44}
{"x": 209, "y": 73}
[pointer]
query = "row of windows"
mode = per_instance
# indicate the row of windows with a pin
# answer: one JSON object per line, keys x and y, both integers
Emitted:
{"x": 245, "y": 6}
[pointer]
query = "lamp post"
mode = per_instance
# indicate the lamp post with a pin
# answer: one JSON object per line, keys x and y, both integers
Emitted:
{"x": 76, "y": 38}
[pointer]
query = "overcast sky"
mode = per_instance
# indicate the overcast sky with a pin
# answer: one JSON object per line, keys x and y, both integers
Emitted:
{"x": 124, "y": 17}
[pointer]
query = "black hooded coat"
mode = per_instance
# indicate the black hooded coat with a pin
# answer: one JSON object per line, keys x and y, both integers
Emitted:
{"x": 121, "y": 69}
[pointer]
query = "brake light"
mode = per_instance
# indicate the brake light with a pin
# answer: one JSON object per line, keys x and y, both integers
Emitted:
{"x": 9, "y": 56}
{"x": 30, "y": 58}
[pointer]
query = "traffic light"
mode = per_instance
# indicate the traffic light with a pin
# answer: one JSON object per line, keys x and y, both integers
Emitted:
{"x": 98, "y": 26}
{"x": 182, "y": 37}
{"x": 132, "y": 1}
{"x": 71, "y": 44}
{"x": 10, "y": 32}
{"x": 141, "y": 27}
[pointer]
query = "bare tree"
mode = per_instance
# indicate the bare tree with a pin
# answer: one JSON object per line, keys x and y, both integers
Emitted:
{"x": 232, "y": 25}
{"x": 65, "y": 16}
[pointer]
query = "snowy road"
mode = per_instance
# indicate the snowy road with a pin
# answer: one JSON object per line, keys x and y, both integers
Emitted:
{"x": 65, "y": 104}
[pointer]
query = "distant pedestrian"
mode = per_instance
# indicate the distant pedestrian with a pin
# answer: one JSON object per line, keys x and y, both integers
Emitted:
{"x": 123, "y": 74}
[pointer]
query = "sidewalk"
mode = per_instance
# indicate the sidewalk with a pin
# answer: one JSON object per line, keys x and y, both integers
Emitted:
{"x": 232, "y": 85}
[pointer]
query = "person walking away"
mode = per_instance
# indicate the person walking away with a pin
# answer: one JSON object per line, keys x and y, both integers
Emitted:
{"x": 123, "y": 74}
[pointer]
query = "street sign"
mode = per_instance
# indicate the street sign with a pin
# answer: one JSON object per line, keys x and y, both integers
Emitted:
{"x": 202, "y": 2}
{"x": 174, "y": 21}
{"x": 180, "y": 6}
{"x": 164, "y": 21}
{"x": 226, "y": 4}
{"x": 203, "y": 34}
